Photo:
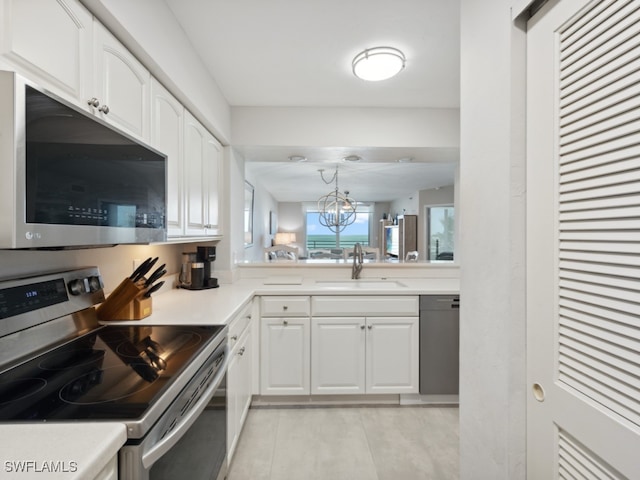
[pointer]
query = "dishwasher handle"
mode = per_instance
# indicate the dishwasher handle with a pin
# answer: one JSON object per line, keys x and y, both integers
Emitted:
{"x": 439, "y": 302}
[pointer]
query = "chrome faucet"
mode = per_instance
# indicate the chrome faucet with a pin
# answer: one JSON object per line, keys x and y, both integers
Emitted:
{"x": 357, "y": 261}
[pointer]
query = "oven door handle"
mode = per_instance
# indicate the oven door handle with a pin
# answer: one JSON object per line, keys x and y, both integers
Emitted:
{"x": 162, "y": 447}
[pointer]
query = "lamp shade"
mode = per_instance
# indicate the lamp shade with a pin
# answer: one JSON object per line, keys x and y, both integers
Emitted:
{"x": 379, "y": 63}
{"x": 284, "y": 238}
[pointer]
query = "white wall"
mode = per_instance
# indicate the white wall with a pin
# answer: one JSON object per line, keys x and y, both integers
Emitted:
{"x": 263, "y": 204}
{"x": 370, "y": 127}
{"x": 115, "y": 263}
{"x": 231, "y": 248}
{"x": 407, "y": 205}
{"x": 375, "y": 238}
{"x": 492, "y": 347}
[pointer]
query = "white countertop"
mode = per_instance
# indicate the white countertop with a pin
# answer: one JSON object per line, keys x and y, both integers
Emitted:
{"x": 218, "y": 305}
{"x": 77, "y": 450}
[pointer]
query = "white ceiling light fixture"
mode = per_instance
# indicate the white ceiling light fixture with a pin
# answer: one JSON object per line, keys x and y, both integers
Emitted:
{"x": 352, "y": 158}
{"x": 298, "y": 158}
{"x": 336, "y": 210}
{"x": 378, "y": 63}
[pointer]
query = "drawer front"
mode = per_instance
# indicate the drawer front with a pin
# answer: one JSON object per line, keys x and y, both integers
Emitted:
{"x": 364, "y": 305}
{"x": 239, "y": 324}
{"x": 285, "y": 306}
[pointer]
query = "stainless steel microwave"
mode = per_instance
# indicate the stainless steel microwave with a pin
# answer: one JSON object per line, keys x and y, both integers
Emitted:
{"x": 68, "y": 179}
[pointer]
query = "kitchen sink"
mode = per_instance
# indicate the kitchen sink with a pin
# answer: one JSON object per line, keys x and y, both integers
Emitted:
{"x": 360, "y": 284}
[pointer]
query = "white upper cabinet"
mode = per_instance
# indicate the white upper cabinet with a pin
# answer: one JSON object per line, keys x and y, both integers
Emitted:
{"x": 60, "y": 46}
{"x": 167, "y": 137}
{"x": 213, "y": 174}
{"x": 122, "y": 85}
{"x": 203, "y": 161}
{"x": 50, "y": 42}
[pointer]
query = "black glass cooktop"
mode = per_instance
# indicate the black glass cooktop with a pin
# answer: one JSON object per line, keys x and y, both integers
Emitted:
{"x": 115, "y": 372}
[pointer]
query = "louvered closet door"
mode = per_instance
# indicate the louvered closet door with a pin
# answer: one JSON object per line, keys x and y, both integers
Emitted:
{"x": 583, "y": 240}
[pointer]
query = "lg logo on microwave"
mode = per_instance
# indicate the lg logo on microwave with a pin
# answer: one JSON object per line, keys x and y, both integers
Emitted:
{"x": 33, "y": 236}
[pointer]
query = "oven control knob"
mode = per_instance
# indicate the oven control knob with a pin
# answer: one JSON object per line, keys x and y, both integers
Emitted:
{"x": 78, "y": 286}
{"x": 95, "y": 283}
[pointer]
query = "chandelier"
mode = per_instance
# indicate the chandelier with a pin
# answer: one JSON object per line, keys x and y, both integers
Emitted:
{"x": 336, "y": 210}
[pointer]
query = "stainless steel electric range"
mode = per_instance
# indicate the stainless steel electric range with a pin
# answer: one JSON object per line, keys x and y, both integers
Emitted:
{"x": 166, "y": 383}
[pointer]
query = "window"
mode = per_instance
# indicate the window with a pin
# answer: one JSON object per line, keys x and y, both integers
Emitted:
{"x": 319, "y": 237}
{"x": 440, "y": 232}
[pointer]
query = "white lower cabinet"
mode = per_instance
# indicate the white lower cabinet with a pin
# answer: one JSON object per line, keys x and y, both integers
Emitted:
{"x": 239, "y": 377}
{"x": 364, "y": 355}
{"x": 285, "y": 356}
{"x": 338, "y": 355}
{"x": 393, "y": 355}
{"x": 317, "y": 345}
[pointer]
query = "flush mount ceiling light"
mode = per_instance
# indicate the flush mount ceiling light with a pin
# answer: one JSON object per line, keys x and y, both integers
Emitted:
{"x": 298, "y": 158}
{"x": 378, "y": 63}
{"x": 336, "y": 209}
{"x": 352, "y": 158}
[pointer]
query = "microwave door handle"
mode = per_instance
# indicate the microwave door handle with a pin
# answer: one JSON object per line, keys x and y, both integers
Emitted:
{"x": 162, "y": 447}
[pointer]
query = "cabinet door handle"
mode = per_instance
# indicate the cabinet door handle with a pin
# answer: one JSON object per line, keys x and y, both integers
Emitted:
{"x": 361, "y": 327}
{"x": 93, "y": 102}
{"x": 234, "y": 338}
{"x": 285, "y": 322}
{"x": 241, "y": 351}
{"x": 104, "y": 109}
{"x": 369, "y": 327}
{"x": 249, "y": 317}
{"x": 285, "y": 307}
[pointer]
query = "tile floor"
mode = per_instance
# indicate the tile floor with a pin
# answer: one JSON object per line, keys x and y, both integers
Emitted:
{"x": 355, "y": 443}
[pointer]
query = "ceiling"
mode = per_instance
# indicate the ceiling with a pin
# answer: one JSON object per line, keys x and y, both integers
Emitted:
{"x": 292, "y": 53}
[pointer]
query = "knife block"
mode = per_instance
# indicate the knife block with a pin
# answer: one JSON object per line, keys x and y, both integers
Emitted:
{"x": 136, "y": 309}
{"x": 125, "y": 303}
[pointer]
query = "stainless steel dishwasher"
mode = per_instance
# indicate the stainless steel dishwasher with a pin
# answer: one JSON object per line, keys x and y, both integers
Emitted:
{"x": 439, "y": 344}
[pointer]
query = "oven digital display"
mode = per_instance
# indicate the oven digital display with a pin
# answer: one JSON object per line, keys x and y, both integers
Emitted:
{"x": 27, "y": 298}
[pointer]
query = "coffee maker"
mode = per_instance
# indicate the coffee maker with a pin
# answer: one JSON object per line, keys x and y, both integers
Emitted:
{"x": 207, "y": 255}
{"x": 197, "y": 268}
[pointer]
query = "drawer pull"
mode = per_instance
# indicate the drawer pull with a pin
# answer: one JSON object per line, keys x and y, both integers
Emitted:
{"x": 234, "y": 338}
{"x": 241, "y": 351}
{"x": 285, "y": 307}
{"x": 369, "y": 327}
{"x": 284, "y": 322}
{"x": 361, "y": 327}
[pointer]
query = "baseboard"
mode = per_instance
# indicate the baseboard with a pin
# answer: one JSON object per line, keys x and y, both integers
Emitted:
{"x": 259, "y": 401}
{"x": 433, "y": 400}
